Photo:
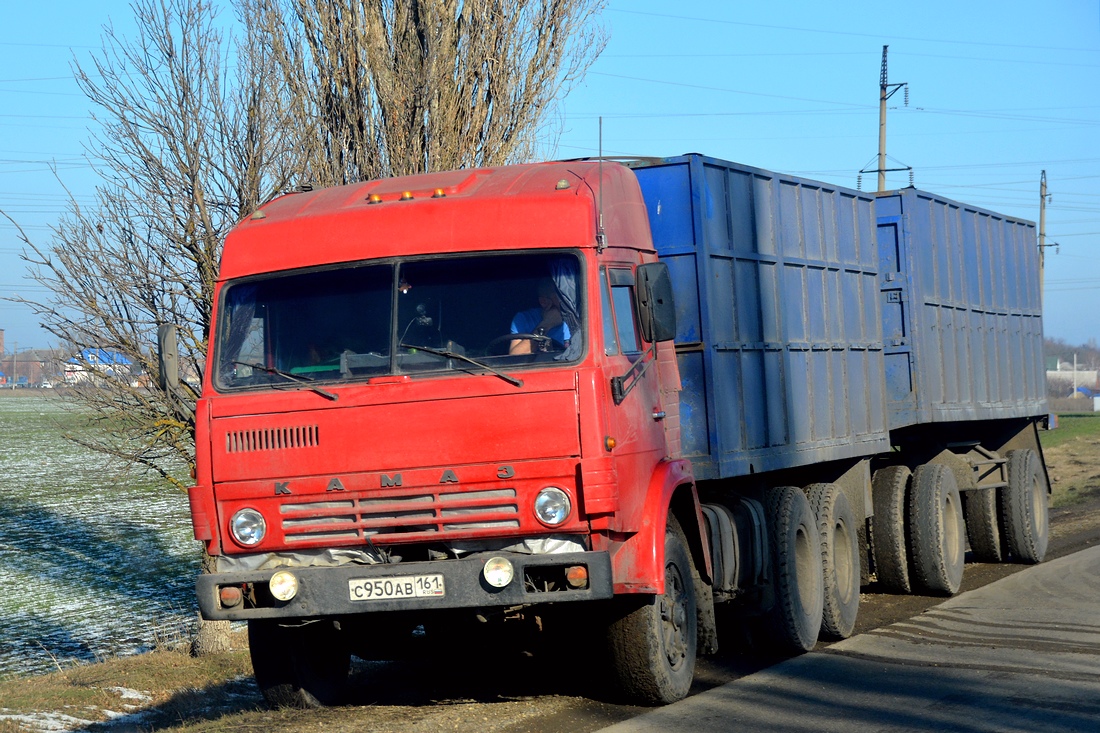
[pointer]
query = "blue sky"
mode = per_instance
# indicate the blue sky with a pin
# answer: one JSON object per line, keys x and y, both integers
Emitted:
{"x": 998, "y": 91}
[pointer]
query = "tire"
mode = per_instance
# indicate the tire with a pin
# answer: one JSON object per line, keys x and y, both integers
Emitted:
{"x": 937, "y": 536}
{"x": 890, "y": 496}
{"x": 840, "y": 562}
{"x": 983, "y": 525}
{"x": 1024, "y": 510}
{"x": 299, "y": 665}
{"x": 794, "y": 621}
{"x": 652, "y": 640}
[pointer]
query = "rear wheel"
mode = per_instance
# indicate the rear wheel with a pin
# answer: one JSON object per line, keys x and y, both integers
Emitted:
{"x": 890, "y": 495}
{"x": 1024, "y": 507}
{"x": 299, "y": 664}
{"x": 983, "y": 525}
{"x": 936, "y": 532}
{"x": 652, "y": 639}
{"x": 839, "y": 559}
{"x": 793, "y": 623}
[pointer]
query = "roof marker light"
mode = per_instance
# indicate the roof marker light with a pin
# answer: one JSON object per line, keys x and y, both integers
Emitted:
{"x": 258, "y": 215}
{"x": 439, "y": 194}
{"x": 562, "y": 185}
{"x": 407, "y": 196}
{"x": 374, "y": 199}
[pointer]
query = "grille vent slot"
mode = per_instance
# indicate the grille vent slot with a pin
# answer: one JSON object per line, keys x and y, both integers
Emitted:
{"x": 248, "y": 441}
{"x": 418, "y": 516}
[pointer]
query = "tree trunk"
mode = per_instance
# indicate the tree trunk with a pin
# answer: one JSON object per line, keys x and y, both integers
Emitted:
{"x": 211, "y": 637}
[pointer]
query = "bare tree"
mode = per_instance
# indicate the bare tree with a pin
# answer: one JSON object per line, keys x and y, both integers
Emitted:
{"x": 185, "y": 148}
{"x": 395, "y": 87}
{"x": 333, "y": 90}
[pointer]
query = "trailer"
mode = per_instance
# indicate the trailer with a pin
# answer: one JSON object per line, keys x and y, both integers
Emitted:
{"x": 585, "y": 393}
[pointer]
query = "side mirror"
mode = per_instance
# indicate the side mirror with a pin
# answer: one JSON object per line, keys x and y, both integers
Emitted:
{"x": 168, "y": 357}
{"x": 656, "y": 309}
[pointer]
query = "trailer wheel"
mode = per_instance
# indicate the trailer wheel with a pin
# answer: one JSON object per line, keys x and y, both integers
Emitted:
{"x": 983, "y": 524}
{"x": 298, "y": 665}
{"x": 936, "y": 532}
{"x": 889, "y": 496}
{"x": 794, "y": 621}
{"x": 652, "y": 639}
{"x": 1024, "y": 507}
{"x": 839, "y": 559}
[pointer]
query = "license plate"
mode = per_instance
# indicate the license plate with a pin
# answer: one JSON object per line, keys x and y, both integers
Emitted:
{"x": 403, "y": 586}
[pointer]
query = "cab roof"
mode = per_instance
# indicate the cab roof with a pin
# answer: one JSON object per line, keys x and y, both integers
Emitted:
{"x": 539, "y": 205}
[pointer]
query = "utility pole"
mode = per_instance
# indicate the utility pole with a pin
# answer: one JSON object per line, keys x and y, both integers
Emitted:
{"x": 885, "y": 91}
{"x": 1044, "y": 199}
{"x": 883, "y": 95}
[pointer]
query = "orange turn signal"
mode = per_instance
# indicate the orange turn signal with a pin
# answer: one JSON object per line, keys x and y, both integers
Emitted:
{"x": 577, "y": 576}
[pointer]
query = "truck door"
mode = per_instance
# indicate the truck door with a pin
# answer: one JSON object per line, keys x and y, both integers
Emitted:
{"x": 634, "y": 423}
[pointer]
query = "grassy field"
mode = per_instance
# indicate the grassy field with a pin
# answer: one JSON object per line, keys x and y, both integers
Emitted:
{"x": 1072, "y": 453}
{"x": 1070, "y": 427}
{"x": 94, "y": 562}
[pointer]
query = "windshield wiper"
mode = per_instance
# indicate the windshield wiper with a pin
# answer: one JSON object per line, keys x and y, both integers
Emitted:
{"x": 462, "y": 357}
{"x": 304, "y": 381}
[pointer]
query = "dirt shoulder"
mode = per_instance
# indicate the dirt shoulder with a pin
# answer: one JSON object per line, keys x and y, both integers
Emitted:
{"x": 169, "y": 690}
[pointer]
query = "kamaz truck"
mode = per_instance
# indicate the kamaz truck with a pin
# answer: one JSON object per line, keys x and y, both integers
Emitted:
{"x": 608, "y": 397}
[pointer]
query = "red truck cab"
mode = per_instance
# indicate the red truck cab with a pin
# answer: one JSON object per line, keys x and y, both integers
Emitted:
{"x": 440, "y": 394}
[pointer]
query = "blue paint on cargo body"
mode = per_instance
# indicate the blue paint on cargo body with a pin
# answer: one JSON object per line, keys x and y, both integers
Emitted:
{"x": 814, "y": 319}
{"x": 779, "y": 336}
{"x": 962, "y": 313}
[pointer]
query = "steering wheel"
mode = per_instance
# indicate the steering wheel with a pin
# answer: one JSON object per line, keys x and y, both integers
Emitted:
{"x": 521, "y": 336}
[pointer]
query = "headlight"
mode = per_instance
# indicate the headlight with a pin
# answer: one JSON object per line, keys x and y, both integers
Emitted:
{"x": 248, "y": 527}
{"x": 498, "y": 571}
{"x": 283, "y": 585}
{"x": 552, "y": 506}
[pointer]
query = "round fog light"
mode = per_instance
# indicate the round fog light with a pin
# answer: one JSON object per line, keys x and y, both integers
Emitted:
{"x": 552, "y": 506}
{"x": 498, "y": 572}
{"x": 283, "y": 585}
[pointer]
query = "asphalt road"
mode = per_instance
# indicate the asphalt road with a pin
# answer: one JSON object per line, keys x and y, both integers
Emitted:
{"x": 1019, "y": 654}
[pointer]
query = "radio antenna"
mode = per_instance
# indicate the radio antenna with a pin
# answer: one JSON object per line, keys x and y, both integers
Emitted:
{"x": 601, "y": 237}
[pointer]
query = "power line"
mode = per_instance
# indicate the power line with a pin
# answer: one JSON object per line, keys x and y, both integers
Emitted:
{"x": 878, "y": 36}
{"x": 731, "y": 91}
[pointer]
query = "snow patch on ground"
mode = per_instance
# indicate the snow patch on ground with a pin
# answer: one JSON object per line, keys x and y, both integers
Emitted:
{"x": 127, "y": 694}
{"x": 46, "y": 722}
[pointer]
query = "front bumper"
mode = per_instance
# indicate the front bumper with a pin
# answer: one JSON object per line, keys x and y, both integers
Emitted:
{"x": 324, "y": 591}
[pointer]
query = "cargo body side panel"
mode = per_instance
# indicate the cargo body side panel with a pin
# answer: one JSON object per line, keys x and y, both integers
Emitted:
{"x": 962, "y": 310}
{"x": 779, "y": 331}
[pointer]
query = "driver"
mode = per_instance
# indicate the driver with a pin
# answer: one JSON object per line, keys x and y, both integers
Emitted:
{"x": 545, "y": 320}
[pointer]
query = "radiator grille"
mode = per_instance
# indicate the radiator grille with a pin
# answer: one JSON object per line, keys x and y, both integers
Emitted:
{"x": 247, "y": 441}
{"x": 415, "y": 516}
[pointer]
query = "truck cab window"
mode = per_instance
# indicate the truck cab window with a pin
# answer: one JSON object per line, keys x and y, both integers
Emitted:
{"x": 417, "y": 315}
{"x": 622, "y": 311}
{"x": 610, "y": 340}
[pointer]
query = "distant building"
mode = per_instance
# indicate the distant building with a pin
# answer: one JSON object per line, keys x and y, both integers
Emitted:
{"x": 31, "y": 367}
{"x": 102, "y": 363}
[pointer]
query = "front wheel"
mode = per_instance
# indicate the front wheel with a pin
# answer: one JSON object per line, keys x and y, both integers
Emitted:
{"x": 302, "y": 664}
{"x": 653, "y": 642}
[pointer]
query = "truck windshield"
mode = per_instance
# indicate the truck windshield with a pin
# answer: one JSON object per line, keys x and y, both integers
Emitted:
{"x": 399, "y": 317}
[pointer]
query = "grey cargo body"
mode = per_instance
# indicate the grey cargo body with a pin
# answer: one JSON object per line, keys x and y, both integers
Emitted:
{"x": 962, "y": 316}
{"x": 807, "y": 331}
{"x": 779, "y": 333}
